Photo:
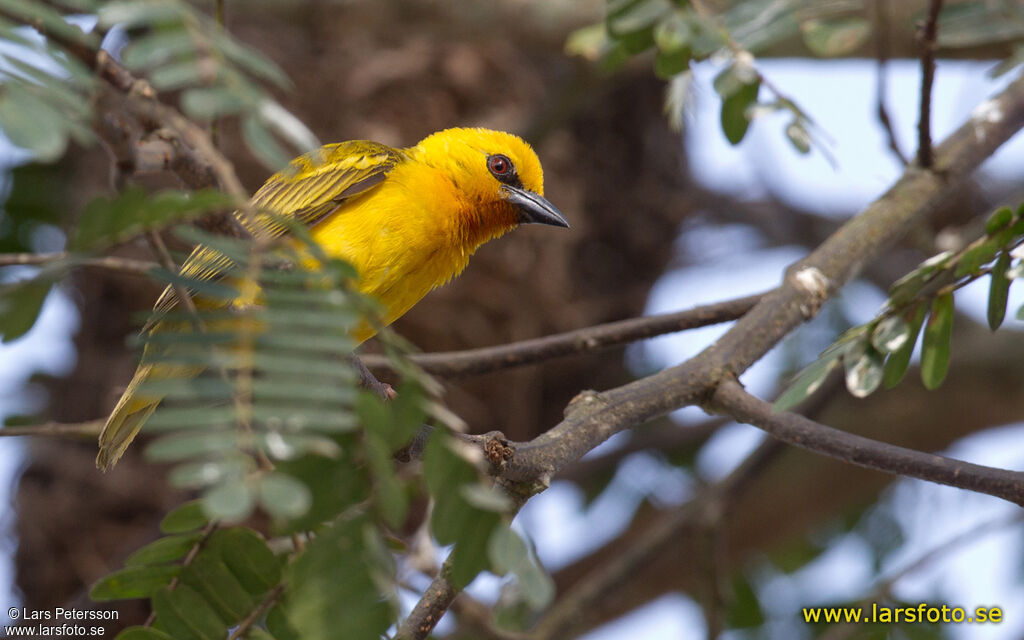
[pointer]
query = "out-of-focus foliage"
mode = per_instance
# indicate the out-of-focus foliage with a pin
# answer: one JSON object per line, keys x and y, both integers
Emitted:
{"x": 47, "y": 83}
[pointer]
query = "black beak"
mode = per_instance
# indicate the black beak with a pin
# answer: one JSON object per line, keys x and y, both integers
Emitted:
{"x": 533, "y": 208}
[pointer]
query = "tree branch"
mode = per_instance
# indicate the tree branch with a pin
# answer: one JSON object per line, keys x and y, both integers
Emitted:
{"x": 591, "y": 418}
{"x": 602, "y": 336}
{"x": 730, "y": 398}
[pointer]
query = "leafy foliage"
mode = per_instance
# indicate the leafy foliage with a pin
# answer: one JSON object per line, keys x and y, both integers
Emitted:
{"x": 879, "y": 352}
{"x": 262, "y": 409}
{"x": 47, "y": 84}
{"x": 681, "y": 32}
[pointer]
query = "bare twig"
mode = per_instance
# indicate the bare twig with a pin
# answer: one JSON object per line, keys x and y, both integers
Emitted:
{"x": 730, "y": 398}
{"x": 881, "y": 78}
{"x": 929, "y": 35}
{"x": 256, "y": 614}
{"x": 89, "y": 429}
{"x": 602, "y": 336}
{"x": 113, "y": 263}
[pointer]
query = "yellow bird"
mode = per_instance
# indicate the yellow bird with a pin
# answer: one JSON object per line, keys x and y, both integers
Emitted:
{"x": 407, "y": 219}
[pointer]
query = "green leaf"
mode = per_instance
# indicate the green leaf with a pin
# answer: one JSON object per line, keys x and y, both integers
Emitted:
{"x": 898, "y": 361}
{"x": 864, "y": 369}
{"x": 186, "y": 615}
{"x": 936, "y": 346}
{"x": 181, "y": 446}
{"x": 231, "y": 501}
{"x": 133, "y": 582}
{"x": 212, "y": 580}
{"x": 20, "y": 304}
{"x": 833, "y": 38}
{"x": 284, "y": 497}
{"x": 671, "y": 63}
{"x": 184, "y": 518}
{"x": 735, "y": 111}
{"x": 164, "y": 550}
{"x": 142, "y": 633}
{"x": 904, "y": 290}
{"x": 201, "y": 474}
{"x": 132, "y": 13}
{"x": 159, "y": 47}
{"x": 890, "y": 334}
{"x": 107, "y": 221}
{"x": 336, "y": 587}
{"x": 390, "y": 497}
{"x": 673, "y": 33}
{"x": 807, "y": 382}
{"x": 207, "y": 103}
{"x": 745, "y": 609}
{"x": 999, "y": 220}
{"x": 263, "y": 144}
{"x": 455, "y": 519}
{"x": 999, "y": 291}
{"x": 249, "y": 558}
{"x": 976, "y": 257}
{"x": 509, "y": 554}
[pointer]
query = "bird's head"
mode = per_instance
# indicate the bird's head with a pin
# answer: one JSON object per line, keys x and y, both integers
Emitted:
{"x": 496, "y": 175}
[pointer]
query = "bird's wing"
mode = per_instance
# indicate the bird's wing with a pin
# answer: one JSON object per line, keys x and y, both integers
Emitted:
{"x": 309, "y": 189}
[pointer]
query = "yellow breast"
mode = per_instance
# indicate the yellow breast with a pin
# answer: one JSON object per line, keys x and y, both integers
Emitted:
{"x": 409, "y": 235}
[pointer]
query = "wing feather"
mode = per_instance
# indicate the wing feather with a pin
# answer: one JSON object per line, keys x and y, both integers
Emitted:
{"x": 309, "y": 189}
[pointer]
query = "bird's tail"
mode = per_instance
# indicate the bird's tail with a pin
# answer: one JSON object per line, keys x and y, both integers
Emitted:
{"x": 124, "y": 422}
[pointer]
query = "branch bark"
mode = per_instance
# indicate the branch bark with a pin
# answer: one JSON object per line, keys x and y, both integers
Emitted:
{"x": 518, "y": 354}
{"x": 730, "y": 398}
{"x": 591, "y": 418}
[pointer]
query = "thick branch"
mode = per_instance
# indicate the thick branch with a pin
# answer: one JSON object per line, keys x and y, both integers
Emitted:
{"x": 591, "y": 418}
{"x": 517, "y": 354}
{"x": 731, "y": 399}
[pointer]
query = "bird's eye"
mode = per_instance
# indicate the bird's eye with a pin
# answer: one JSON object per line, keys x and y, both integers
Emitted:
{"x": 500, "y": 166}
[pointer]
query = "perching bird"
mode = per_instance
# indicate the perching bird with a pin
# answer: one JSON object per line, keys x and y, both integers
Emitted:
{"x": 406, "y": 219}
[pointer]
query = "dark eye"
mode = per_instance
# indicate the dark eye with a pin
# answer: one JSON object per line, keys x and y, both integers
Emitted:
{"x": 500, "y": 166}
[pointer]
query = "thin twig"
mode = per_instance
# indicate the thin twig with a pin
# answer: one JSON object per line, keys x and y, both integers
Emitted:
{"x": 257, "y": 613}
{"x": 730, "y": 398}
{"x": 114, "y": 263}
{"x": 602, "y": 336}
{"x": 156, "y": 243}
{"x": 89, "y": 429}
{"x": 929, "y": 35}
{"x": 207, "y": 531}
{"x": 882, "y": 78}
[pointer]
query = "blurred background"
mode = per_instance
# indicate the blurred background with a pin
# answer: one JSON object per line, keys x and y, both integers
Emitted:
{"x": 663, "y": 219}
